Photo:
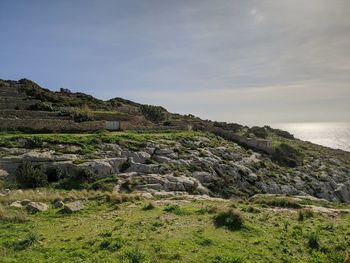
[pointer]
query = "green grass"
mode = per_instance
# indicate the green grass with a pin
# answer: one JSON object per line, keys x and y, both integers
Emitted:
{"x": 129, "y": 233}
{"x": 90, "y": 141}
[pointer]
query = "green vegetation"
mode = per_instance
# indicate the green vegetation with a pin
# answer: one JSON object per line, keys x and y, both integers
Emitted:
{"x": 231, "y": 219}
{"x": 277, "y": 202}
{"x": 288, "y": 155}
{"x": 104, "y": 232}
{"x": 153, "y": 113}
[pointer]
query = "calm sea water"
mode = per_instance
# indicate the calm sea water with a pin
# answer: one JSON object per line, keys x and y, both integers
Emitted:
{"x": 331, "y": 134}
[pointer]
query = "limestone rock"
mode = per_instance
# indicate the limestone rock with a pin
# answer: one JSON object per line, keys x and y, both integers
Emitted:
{"x": 73, "y": 207}
{"x": 37, "y": 207}
{"x": 16, "y": 204}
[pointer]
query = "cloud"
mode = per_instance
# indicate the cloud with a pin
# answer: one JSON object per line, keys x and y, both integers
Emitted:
{"x": 257, "y": 15}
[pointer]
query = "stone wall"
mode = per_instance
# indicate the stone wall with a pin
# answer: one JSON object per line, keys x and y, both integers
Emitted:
{"x": 255, "y": 143}
{"x": 27, "y": 114}
{"x": 50, "y": 125}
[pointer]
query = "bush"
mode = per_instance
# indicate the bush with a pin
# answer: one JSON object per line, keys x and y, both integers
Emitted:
{"x": 278, "y": 201}
{"x": 111, "y": 244}
{"x": 175, "y": 209}
{"x": 135, "y": 256}
{"x": 313, "y": 240}
{"x": 153, "y": 113}
{"x": 28, "y": 241}
{"x": 85, "y": 176}
{"x": 81, "y": 116}
{"x": 34, "y": 142}
{"x": 230, "y": 219}
{"x": 304, "y": 214}
{"x": 149, "y": 206}
{"x": 223, "y": 259}
{"x": 12, "y": 216}
{"x": 77, "y": 115}
{"x": 284, "y": 134}
{"x": 54, "y": 174}
{"x": 288, "y": 155}
{"x": 30, "y": 177}
{"x": 259, "y": 132}
{"x": 41, "y": 106}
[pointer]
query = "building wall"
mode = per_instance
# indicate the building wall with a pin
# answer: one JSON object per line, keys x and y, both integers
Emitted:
{"x": 112, "y": 125}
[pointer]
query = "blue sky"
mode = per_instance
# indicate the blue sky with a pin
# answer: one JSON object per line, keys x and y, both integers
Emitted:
{"x": 246, "y": 61}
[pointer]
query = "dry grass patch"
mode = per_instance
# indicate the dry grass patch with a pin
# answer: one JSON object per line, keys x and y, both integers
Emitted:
{"x": 9, "y": 215}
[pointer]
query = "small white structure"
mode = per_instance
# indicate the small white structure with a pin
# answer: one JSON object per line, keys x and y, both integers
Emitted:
{"x": 112, "y": 125}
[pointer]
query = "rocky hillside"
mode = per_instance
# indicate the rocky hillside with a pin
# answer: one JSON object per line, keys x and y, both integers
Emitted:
{"x": 169, "y": 163}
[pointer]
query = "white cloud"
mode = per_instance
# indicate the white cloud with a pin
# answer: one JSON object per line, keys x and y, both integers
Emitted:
{"x": 257, "y": 15}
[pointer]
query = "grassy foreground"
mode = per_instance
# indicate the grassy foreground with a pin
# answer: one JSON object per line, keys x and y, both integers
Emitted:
{"x": 130, "y": 229}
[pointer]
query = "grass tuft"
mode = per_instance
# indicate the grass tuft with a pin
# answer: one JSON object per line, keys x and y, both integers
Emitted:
{"x": 230, "y": 219}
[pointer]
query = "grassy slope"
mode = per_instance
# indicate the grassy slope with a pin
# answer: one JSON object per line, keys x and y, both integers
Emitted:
{"x": 104, "y": 233}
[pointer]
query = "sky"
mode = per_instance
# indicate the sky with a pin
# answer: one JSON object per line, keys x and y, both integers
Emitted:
{"x": 252, "y": 62}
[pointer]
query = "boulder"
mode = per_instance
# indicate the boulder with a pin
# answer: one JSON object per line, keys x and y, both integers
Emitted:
{"x": 73, "y": 207}
{"x": 100, "y": 168}
{"x": 203, "y": 177}
{"x": 161, "y": 159}
{"x": 137, "y": 157}
{"x": 143, "y": 168}
{"x": 343, "y": 193}
{"x": 16, "y": 204}
{"x": 68, "y": 199}
{"x": 37, "y": 207}
{"x": 165, "y": 151}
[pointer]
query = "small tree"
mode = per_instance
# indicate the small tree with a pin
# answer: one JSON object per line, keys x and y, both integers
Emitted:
{"x": 30, "y": 177}
{"x": 153, "y": 113}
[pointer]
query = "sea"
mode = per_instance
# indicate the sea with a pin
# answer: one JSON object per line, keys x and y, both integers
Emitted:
{"x": 331, "y": 134}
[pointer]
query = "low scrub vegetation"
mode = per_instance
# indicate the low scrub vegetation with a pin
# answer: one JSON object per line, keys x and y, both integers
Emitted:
{"x": 284, "y": 202}
{"x": 13, "y": 216}
{"x": 231, "y": 219}
{"x": 288, "y": 155}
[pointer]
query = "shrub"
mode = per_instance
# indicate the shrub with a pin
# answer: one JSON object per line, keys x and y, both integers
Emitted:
{"x": 149, "y": 206}
{"x": 304, "y": 214}
{"x": 251, "y": 209}
{"x": 230, "y": 219}
{"x": 85, "y": 176}
{"x": 41, "y": 106}
{"x": 153, "y": 113}
{"x": 135, "y": 256}
{"x": 288, "y": 155}
{"x": 30, "y": 177}
{"x": 111, "y": 244}
{"x": 259, "y": 132}
{"x": 12, "y": 216}
{"x": 313, "y": 240}
{"x": 28, "y": 241}
{"x": 54, "y": 174}
{"x": 223, "y": 259}
{"x": 283, "y": 134}
{"x": 77, "y": 115}
{"x": 279, "y": 202}
{"x": 175, "y": 209}
{"x": 34, "y": 142}
{"x": 81, "y": 116}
